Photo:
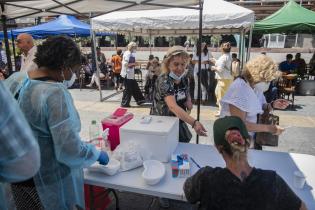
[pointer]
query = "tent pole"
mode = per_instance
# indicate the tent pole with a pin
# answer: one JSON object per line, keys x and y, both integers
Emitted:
{"x": 199, "y": 63}
{"x": 240, "y": 49}
{"x": 6, "y": 40}
{"x": 296, "y": 40}
{"x": 93, "y": 48}
{"x": 249, "y": 43}
{"x": 243, "y": 48}
{"x": 150, "y": 36}
{"x": 116, "y": 41}
{"x": 13, "y": 48}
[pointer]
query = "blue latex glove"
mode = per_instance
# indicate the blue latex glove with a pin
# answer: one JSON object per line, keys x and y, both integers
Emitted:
{"x": 103, "y": 158}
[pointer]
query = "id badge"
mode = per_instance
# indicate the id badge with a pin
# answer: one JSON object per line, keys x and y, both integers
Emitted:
{"x": 181, "y": 95}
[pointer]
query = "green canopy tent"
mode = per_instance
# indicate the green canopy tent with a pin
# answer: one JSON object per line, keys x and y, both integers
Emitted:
{"x": 291, "y": 18}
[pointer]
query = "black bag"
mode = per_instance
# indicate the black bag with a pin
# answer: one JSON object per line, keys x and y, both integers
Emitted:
{"x": 184, "y": 132}
{"x": 264, "y": 138}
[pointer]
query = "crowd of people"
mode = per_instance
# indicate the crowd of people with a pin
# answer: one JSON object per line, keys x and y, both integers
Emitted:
{"x": 47, "y": 156}
{"x": 297, "y": 66}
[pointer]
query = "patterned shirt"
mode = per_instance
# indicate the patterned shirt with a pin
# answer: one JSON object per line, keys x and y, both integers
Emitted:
{"x": 218, "y": 188}
{"x": 165, "y": 86}
{"x": 16, "y": 137}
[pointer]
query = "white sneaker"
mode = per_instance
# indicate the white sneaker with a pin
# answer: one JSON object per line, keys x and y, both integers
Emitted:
{"x": 89, "y": 85}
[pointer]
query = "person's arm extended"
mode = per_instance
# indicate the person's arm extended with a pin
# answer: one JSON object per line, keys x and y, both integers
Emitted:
{"x": 254, "y": 127}
{"x": 184, "y": 116}
{"x": 219, "y": 67}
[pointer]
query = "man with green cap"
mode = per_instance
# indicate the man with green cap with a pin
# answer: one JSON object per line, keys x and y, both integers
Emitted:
{"x": 238, "y": 185}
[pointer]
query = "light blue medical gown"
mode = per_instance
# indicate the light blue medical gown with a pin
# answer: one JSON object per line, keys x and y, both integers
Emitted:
{"x": 49, "y": 109}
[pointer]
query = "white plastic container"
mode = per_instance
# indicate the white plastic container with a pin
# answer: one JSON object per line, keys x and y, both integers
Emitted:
{"x": 153, "y": 172}
{"x": 158, "y": 137}
{"x": 110, "y": 169}
{"x": 299, "y": 179}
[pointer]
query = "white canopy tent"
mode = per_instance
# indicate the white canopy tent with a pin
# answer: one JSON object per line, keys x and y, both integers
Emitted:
{"x": 215, "y": 17}
{"x": 219, "y": 17}
{"x": 13, "y": 9}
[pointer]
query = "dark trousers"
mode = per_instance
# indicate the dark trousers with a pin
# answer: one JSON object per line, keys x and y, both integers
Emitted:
{"x": 131, "y": 89}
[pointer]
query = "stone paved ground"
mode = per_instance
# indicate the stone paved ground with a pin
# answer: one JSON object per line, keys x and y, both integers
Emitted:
{"x": 299, "y": 138}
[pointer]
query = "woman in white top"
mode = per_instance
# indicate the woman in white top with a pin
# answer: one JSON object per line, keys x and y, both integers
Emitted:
{"x": 245, "y": 98}
{"x": 205, "y": 61}
{"x": 223, "y": 74}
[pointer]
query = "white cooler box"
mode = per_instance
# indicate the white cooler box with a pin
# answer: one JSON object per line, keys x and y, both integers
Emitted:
{"x": 159, "y": 137}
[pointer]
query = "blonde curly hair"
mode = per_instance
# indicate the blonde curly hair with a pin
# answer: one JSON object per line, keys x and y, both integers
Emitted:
{"x": 261, "y": 69}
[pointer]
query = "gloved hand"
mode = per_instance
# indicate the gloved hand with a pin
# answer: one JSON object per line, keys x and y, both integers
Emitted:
{"x": 103, "y": 159}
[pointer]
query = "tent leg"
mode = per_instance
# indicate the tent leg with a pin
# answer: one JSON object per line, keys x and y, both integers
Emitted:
{"x": 249, "y": 43}
{"x": 116, "y": 41}
{"x": 6, "y": 40}
{"x": 94, "y": 60}
{"x": 296, "y": 40}
{"x": 13, "y": 49}
{"x": 199, "y": 64}
{"x": 150, "y": 37}
{"x": 242, "y": 48}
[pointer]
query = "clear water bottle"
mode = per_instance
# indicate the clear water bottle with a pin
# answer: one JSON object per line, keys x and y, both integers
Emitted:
{"x": 94, "y": 132}
{"x": 105, "y": 144}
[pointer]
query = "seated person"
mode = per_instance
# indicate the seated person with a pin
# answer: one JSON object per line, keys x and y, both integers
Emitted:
{"x": 95, "y": 79}
{"x": 287, "y": 66}
{"x": 86, "y": 65}
{"x": 238, "y": 185}
{"x": 154, "y": 71}
{"x": 300, "y": 65}
{"x": 272, "y": 93}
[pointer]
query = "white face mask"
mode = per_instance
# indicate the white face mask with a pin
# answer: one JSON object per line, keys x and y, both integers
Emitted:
{"x": 175, "y": 77}
{"x": 262, "y": 86}
{"x": 69, "y": 83}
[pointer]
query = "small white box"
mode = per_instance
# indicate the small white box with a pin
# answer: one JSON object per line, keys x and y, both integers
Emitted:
{"x": 159, "y": 137}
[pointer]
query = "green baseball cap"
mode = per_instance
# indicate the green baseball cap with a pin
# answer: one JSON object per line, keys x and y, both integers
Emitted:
{"x": 221, "y": 125}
